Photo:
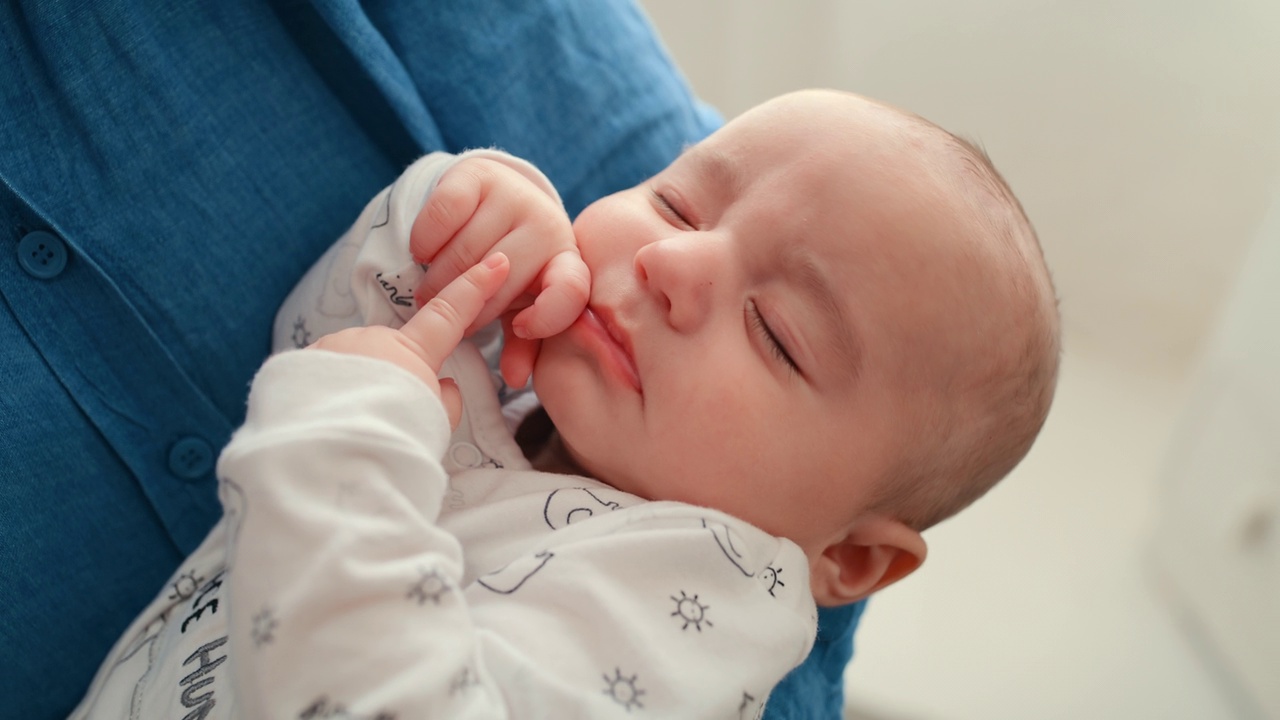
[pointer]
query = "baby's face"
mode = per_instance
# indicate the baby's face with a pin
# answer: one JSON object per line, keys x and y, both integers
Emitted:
{"x": 757, "y": 314}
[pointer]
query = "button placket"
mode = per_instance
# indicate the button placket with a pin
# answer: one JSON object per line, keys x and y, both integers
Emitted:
{"x": 136, "y": 412}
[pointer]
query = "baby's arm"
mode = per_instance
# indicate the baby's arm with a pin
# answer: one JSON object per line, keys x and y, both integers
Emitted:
{"x": 331, "y": 489}
{"x": 445, "y": 213}
{"x": 345, "y": 593}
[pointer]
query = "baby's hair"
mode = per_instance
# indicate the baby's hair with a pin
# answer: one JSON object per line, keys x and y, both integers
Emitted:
{"x": 985, "y": 421}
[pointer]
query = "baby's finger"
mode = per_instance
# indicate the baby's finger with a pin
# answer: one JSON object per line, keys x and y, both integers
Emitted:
{"x": 451, "y": 398}
{"x": 439, "y": 326}
{"x": 469, "y": 242}
{"x": 566, "y": 288}
{"x": 447, "y": 210}
{"x": 518, "y": 356}
{"x": 476, "y": 241}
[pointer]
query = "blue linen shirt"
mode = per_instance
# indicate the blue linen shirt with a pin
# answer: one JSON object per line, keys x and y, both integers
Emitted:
{"x": 167, "y": 172}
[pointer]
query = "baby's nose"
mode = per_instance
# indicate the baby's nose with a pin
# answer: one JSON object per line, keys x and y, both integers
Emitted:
{"x": 680, "y": 273}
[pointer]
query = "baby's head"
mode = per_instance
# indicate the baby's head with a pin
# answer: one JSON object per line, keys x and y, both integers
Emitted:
{"x": 830, "y": 318}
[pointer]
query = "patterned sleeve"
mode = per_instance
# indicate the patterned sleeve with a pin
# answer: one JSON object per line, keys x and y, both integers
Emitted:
{"x": 368, "y": 277}
{"x": 347, "y": 601}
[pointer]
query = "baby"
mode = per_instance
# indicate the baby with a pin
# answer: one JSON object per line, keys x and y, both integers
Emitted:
{"x": 767, "y": 369}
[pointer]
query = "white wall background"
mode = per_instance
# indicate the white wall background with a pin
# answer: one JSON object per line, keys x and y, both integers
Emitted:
{"x": 1143, "y": 138}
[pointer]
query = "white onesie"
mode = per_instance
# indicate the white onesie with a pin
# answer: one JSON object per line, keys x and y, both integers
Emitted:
{"x": 370, "y": 564}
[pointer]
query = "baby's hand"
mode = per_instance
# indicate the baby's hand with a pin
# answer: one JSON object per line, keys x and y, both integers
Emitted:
{"x": 482, "y": 206}
{"x": 432, "y": 334}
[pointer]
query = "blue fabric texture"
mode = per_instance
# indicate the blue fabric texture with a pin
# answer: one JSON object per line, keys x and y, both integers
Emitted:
{"x": 167, "y": 172}
{"x": 815, "y": 689}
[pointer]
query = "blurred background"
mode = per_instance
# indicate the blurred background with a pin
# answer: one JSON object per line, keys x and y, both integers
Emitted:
{"x": 1130, "y": 568}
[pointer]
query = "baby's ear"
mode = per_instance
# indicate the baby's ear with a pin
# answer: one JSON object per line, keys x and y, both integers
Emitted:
{"x": 874, "y": 553}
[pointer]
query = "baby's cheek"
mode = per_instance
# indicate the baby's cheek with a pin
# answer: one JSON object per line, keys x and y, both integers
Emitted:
{"x": 723, "y": 427}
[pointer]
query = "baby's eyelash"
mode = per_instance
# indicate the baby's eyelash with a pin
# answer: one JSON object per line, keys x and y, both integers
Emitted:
{"x": 668, "y": 208}
{"x": 775, "y": 346}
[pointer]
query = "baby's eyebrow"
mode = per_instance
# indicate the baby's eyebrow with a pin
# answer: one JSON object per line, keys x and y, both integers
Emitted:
{"x": 717, "y": 167}
{"x": 839, "y": 335}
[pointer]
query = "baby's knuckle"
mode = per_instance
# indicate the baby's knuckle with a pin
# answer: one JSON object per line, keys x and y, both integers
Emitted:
{"x": 441, "y": 209}
{"x": 445, "y": 310}
{"x": 455, "y": 262}
{"x": 475, "y": 287}
{"x": 578, "y": 283}
{"x": 553, "y": 223}
{"x": 484, "y": 168}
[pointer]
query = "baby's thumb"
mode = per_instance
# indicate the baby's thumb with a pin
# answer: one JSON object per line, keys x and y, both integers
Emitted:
{"x": 451, "y": 397}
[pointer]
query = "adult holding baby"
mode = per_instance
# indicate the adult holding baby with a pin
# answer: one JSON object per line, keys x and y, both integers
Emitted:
{"x": 168, "y": 171}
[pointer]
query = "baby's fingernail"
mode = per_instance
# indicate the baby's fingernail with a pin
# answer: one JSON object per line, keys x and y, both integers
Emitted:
{"x": 494, "y": 261}
{"x": 521, "y": 330}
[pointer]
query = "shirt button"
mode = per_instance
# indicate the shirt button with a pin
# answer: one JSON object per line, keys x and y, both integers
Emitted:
{"x": 190, "y": 458}
{"x": 42, "y": 254}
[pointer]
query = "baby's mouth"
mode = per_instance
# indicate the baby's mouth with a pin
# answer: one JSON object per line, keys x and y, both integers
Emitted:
{"x": 600, "y": 323}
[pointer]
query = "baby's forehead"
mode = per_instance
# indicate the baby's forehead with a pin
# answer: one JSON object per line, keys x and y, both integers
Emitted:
{"x": 858, "y": 160}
